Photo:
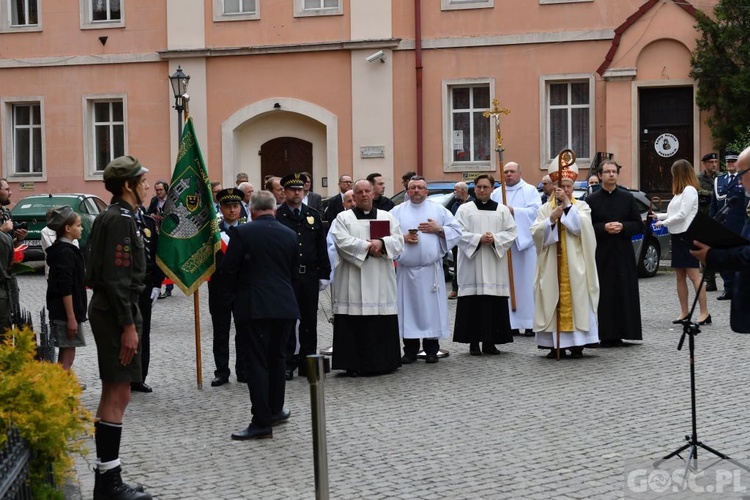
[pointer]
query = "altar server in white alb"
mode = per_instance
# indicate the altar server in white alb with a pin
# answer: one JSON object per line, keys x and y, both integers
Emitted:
{"x": 365, "y": 323}
{"x": 523, "y": 201}
{"x": 430, "y": 231}
{"x": 488, "y": 230}
{"x": 565, "y": 222}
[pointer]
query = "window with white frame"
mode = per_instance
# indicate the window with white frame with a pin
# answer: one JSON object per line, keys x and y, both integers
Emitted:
{"x": 466, "y": 4}
{"x": 317, "y": 8}
{"x": 236, "y": 10}
{"x": 105, "y": 132}
{"x": 569, "y": 115}
{"x": 26, "y": 130}
{"x": 470, "y": 130}
{"x": 19, "y": 15}
{"x": 102, "y": 13}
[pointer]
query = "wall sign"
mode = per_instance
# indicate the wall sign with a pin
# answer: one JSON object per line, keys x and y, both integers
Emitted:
{"x": 666, "y": 145}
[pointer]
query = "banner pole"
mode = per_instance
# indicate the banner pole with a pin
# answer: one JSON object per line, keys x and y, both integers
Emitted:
{"x": 198, "y": 363}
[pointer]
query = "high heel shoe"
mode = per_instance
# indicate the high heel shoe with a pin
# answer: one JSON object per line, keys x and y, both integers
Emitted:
{"x": 706, "y": 321}
{"x": 678, "y": 320}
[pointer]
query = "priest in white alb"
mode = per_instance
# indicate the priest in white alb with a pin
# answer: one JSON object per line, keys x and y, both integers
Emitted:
{"x": 564, "y": 237}
{"x": 488, "y": 230}
{"x": 523, "y": 201}
{"x": 430, "y": 231}
{"x": 365, "y": 324}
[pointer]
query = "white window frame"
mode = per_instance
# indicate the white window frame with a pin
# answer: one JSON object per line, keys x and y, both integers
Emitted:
{"x": 549, "y": 2}
{"x": 545, "y": 153}
{"x": 466, "y": 4}
{"x": 5, "y": 18}
{"x": 220, "y": 16}
{"x": 89, "y": 142}
{"x": 300, "y": 11}
{"x": 87, "y": 16}
{"x": 465, "y": 166}
{"x": 6, "y": 116}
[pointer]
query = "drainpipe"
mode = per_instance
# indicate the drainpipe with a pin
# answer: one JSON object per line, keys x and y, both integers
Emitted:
{"x": 418, "y": 64}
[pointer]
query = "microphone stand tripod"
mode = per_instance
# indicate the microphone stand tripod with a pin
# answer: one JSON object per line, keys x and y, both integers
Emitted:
{"x": 690, "y": 330}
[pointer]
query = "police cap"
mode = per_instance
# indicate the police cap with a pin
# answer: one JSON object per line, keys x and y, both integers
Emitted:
{"x": 731, "y": 155}
{"x": 230, "y": 195}
{"x": 124, "y": 167}
{"x": 294, "y": 181}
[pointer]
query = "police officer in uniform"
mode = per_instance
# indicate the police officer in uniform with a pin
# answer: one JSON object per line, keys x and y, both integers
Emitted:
{"x": 116, "y": 273}
{"x": 706, "y": 179}
{"x": 220, "y": 298}
{"x": 154, "y": 277}
{"x": 729, "y": 196}
{"x": 314, "y": 269}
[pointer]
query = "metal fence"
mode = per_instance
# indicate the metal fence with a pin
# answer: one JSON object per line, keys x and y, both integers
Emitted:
{"x": 14, "y": 468}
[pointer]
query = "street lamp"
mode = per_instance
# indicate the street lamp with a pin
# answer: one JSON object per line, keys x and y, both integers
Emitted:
{"x": 179, "y": 82}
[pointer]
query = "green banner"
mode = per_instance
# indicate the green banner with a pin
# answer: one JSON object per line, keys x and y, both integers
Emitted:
{"x": 189, "y": 232}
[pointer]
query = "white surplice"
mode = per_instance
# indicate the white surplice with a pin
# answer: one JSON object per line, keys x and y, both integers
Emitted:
{"x": 525, "y": 200}
{"x": 483, "y": 269}
{"x": 422, "y": 300}
{"x": 364, "y": 285}
{"x": 580, "y": 244}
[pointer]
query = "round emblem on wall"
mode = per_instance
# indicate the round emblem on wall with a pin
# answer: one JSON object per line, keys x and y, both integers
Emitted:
{"x": 666, "y": 145}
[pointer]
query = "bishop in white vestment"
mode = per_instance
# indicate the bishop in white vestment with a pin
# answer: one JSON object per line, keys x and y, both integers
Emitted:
{"x": 430, "y": 231}
{"x": 523, "y": 201}
{"x": 488, "y": 230}
{"x": 564, "y": 224}
{"x": 365, "y": 325}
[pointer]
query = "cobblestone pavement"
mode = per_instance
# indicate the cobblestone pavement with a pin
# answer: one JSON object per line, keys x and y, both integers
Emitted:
{"x": 510, "y": 426}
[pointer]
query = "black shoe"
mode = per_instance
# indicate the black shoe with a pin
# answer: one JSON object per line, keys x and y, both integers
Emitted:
{"x": 431, "y": 358}
{"x": 407, "y": 359}
{"x": 490, "y": 349}
{"x": 289, "y": 374}
{"x": 706, "y": 321}
{"x": 576, "y": 352}
{"x": 528, "y": 333}
{"x": 552, "y": 354}
{"x": 281, "y": 416}
{"x": 474, "y": 349}
{"x": 109, "y": 486}
{"x": 216, "y": 382}
{"x": 253, "y": 431}
{"x": 725, "y": 296}
{"x": 165, "y": 295}
{"x": 710, "y": 287}
{"x": 678, "y": 321}
{"x": 515, "y": 332}
{"x": 140, "y": 387}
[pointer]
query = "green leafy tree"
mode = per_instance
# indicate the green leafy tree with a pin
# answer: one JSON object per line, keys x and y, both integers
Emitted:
{"x": 721, "y": 64}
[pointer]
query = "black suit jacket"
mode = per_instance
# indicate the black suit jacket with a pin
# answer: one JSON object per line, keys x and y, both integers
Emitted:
{"x": 260, "y": 264}
{"x": 153, "y": 206}
{"x": 736, "y": 259}
{"x": 335, "y": 207}
{"x": 311, "y": 235}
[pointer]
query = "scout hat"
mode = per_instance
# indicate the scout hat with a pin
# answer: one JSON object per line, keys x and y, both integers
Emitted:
{"x": 230, "y": 195}
{"x": 294, "y": 181}
{"x": 124, "y": 167}
{"x": 563, "y": 166}
{"x": 56, "y": 217}
{"x": 709, "y": 156}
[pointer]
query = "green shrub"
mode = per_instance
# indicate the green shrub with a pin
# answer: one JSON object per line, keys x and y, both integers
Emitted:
{"x": 41, "y": 400}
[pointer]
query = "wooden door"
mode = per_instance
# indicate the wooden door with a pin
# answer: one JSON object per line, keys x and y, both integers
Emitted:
{"x": 285, "y": 155}
{"x": 666, "y": 135}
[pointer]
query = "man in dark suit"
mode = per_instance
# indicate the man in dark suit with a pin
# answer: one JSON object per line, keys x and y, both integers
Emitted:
{"x": 260, "y": 265}
{"x": 311, "y": 198}
{"x": 336, "y": 203}
{"x": 729, "y": 195}
{"x": 379, "y": 200}
{"x": 735, "y": 260}
{"x": 156, "y": 207}
{"x": 314, "y": 270}
{"x": 220, "y": 297}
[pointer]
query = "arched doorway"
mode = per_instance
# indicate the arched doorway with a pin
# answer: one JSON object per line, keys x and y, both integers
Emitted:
{"x": 285, "y": 155}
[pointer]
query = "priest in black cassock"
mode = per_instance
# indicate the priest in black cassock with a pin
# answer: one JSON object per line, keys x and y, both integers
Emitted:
{"x": 616, "y": 219}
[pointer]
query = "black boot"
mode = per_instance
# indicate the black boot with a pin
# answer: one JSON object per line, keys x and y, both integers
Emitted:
{"x": 109, "y": 486}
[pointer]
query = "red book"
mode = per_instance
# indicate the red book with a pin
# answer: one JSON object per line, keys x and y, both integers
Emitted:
{"x": 379, "y": 229}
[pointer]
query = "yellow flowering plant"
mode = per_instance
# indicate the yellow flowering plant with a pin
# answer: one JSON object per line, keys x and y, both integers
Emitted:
{"x": 42, "y": 401}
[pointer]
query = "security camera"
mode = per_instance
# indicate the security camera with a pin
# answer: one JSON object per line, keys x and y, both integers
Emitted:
{"x": 377, "y": 55}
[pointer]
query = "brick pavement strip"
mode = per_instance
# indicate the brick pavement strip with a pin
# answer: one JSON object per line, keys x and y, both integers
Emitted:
{"x": 510, "y": 426}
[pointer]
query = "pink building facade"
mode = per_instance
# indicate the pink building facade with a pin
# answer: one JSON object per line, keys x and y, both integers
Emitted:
{"x": 346, "y": 87}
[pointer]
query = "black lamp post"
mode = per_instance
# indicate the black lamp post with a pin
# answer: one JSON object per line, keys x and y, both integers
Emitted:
{"x": 179, "y": 82}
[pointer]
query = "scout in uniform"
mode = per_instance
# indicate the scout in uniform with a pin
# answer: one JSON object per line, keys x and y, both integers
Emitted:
{"x": 116, "y": 273}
